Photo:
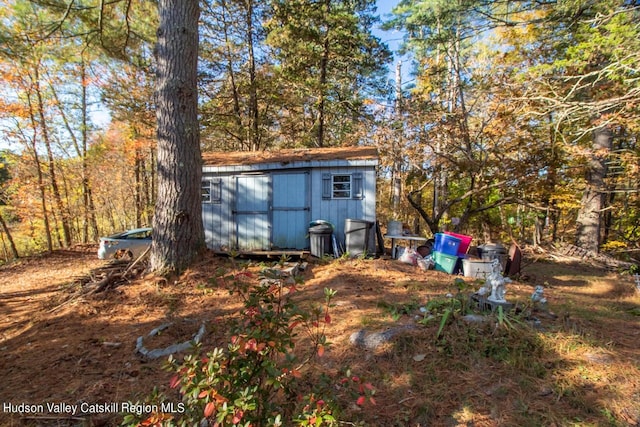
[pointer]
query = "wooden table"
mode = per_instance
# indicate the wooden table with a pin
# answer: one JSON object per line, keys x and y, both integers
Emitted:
{"x": 411, "y": 238}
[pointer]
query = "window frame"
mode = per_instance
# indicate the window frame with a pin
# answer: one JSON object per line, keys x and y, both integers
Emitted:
{"x": 214, "y": 190}
{"x": 356, "y": 190}
{"x": 348, "y": 189}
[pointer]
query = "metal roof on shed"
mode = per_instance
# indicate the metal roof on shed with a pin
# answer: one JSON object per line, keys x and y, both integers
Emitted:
{"x": 288, "y": 156}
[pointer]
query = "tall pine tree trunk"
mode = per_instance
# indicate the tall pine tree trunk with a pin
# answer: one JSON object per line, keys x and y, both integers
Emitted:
{"x": 590, "y": 215}
{"x": 89, "y": 221}
{"x": 178, "y": 233}
{"x": 254, "y": 114}
{"x": 322, "y": 87}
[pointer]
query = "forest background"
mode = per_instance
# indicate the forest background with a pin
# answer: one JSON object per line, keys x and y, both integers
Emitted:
{"x": 520, "y": 119}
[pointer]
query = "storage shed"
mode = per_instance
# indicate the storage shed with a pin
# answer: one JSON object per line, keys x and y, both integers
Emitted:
{"x": 265, "y": 201}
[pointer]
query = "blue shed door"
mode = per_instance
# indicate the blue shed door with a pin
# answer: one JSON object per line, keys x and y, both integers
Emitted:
{"x": 291, "y": 210}
{"x": 252, "y": 212}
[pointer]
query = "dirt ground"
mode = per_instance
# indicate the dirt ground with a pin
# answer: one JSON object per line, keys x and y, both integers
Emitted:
{"x": 59, "y": 347}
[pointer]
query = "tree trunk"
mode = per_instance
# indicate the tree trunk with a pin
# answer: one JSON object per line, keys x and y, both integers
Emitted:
{"x": 177, "y": 223}
{"x": 147, "y": 170}
{"x": 40, "y": 175}
{"x": 137, "y": 189}
{"x": 254, "y": 115}
{"x": 12, "y": 245}
{"x": 396, "y": 182}
{"x": 90, "y": 221}
{"x": 57, "y": 198}
{"x": 237, "y": 110}
{"x": 324, "y": 65}
{"x": 589, "y": 217}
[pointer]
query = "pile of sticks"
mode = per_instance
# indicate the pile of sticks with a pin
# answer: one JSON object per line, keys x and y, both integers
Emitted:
{"x": 568, "y": 249}
{"x": 118, "y": 272}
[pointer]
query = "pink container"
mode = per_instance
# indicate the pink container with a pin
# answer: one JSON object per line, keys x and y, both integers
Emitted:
{"x": 465, "y": 242}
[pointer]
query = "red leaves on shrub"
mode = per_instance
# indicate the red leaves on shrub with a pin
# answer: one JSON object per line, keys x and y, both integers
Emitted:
{"x": 175, "y": 381}
{"x": 237, "y": 417}
{"x": 294, "y": 324}
{"x": 251, "y": 345}
{"x": 209, "y": 409}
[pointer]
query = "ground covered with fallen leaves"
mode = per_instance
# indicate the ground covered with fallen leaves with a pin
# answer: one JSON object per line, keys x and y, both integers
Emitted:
{"x": 575, "y": 362}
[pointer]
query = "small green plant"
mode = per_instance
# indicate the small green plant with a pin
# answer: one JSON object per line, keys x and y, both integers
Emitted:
{"x": 284, "y": 258}
{"x": 258, "y": 379}
{"x": 396, "y": 311}
{"x": 446, "y": 308}
{"x": 503, "y": 318}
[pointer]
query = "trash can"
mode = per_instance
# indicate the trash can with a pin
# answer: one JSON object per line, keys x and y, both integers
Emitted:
{"x": 320, "y": 238}
{"x": 491, "y": 251}
{"x": 356, "y": 236}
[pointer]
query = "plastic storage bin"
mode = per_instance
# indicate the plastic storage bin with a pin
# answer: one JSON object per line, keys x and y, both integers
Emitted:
{"x": 476, "y": 268}
{"x": 444, "y": 262}
{"x": 465, "y": 241}
{"x": 446, "y": 244}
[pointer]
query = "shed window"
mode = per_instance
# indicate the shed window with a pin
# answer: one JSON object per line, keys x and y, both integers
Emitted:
{"x": 341, "y": 186}
{"x": 211, "y": 191}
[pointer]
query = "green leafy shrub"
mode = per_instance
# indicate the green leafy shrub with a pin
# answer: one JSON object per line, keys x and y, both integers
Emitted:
{"x": 258, "y": 379}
